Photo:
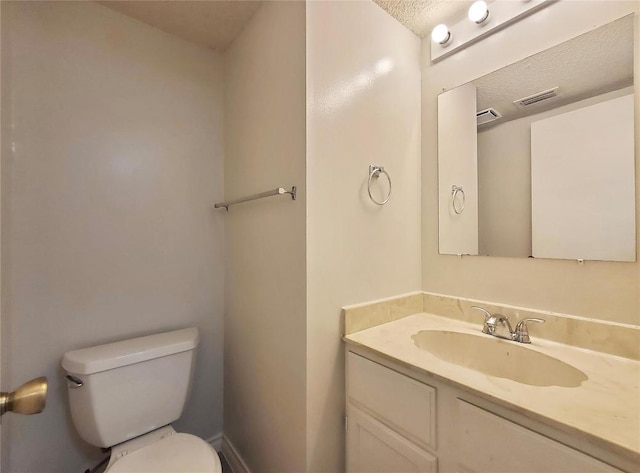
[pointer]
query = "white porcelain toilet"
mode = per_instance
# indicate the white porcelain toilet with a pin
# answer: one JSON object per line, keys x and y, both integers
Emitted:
{"x": 125, "y": 395}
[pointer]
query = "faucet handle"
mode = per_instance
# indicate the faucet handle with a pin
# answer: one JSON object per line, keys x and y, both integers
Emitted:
{"x": 487, "y": 315}
{"x": 522, "y": 331}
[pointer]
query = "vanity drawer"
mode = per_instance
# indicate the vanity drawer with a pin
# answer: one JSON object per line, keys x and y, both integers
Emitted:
{"x": 488, "y": 442}
{"x": 372, "y": 446}
{"x": 402, "y": 403}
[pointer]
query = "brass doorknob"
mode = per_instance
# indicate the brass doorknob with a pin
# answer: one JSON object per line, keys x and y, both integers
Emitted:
{"x": 30, "y": 398}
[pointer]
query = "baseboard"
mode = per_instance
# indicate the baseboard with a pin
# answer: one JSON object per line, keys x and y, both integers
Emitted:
{"x": 215, "y": 442}
{"x": 233, "y": 457}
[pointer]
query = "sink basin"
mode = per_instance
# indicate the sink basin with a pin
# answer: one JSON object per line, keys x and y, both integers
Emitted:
{"x": 499, "y": 358}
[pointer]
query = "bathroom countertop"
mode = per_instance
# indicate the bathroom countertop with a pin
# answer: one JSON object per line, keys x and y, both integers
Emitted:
{"x": 605, "y": 409}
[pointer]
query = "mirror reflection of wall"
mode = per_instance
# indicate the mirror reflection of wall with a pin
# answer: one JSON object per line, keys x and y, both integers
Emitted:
{"x": 555, "y": 154}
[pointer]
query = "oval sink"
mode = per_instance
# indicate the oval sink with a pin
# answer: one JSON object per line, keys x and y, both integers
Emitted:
{"x": 499, "y": 358}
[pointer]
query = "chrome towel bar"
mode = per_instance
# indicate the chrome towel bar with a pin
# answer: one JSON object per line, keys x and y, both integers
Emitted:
{"x": 261, "y": 195}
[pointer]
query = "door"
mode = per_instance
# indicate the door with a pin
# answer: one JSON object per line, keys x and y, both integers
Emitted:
{"x": 29, "y": 398}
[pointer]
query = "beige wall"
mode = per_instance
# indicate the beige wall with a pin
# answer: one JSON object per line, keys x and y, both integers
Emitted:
{"x": 603, "y": 290}
{"x": 107, "y": 225}
{"x": 363, "y": 107}
{"x": 265, "y": 320}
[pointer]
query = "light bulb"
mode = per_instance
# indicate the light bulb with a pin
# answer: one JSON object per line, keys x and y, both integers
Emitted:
{"x": 479, "y": 12}
{"x": 441, "y": 34}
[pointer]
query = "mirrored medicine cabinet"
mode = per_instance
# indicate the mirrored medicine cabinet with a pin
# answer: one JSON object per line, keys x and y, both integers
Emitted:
{"x": 537, "y": 159}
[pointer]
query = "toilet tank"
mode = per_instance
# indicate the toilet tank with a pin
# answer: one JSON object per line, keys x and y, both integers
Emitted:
{"x": 131, "y": 387}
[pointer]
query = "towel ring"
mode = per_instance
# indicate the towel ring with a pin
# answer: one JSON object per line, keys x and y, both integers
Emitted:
{"x": 375, "y": 171}
{"x": 454, "y": 192}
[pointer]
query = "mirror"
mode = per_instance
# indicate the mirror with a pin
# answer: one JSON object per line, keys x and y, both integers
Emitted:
{"x": 537, "y": 159}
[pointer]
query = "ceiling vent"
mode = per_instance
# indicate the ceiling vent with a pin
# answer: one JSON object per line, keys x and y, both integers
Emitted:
{"x": 536, "y": 98}
{"x": 487, "y": 115}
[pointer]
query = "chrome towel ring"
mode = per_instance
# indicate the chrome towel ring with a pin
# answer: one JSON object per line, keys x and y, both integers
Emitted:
{"x": 374, "y": 172}
{"x": 455, "y": 190}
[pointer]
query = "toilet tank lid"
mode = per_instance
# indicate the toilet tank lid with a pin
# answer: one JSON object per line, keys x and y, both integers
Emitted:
{"x": 127, "y": 352}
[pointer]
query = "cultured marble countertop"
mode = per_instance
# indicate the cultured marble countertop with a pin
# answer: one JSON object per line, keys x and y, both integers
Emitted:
{"x": 605, "y": 407}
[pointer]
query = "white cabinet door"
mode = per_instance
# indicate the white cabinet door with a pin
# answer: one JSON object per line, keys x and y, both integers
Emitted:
{"x": 489, "y": 443}
{"x": 402, "y": 403}
{"x": 372, "y": 447}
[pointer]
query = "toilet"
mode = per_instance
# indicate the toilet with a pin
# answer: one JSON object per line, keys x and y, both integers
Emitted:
{"x": 125, "y": 395}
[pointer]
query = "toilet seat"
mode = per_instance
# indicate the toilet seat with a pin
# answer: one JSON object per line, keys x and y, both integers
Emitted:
{"x": 177, "y": 453}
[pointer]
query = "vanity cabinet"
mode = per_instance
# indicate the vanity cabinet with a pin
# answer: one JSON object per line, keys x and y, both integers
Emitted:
{"x": 396, "y": 424}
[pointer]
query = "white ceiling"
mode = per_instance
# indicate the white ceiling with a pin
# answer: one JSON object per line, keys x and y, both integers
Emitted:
{"x": 210, "y": 23}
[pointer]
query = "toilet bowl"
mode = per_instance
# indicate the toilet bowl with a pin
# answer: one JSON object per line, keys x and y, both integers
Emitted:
{"x": 165, "y": 451}
{"x": 125, "y": 395}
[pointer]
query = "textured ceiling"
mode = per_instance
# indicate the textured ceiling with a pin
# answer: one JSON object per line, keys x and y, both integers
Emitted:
{"x": 420, "y": 16}
{"x": 591, "y": 64}
{"x": 213, "y": 24}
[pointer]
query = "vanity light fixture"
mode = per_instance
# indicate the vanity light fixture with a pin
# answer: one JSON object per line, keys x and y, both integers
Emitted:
{"x": 447, "y": 40}
{"x": 441, "y": 34}
{"x": 479, "y": 12}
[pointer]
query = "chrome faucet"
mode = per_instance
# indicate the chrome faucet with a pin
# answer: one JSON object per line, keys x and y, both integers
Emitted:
{"x": 498, "y": 325}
